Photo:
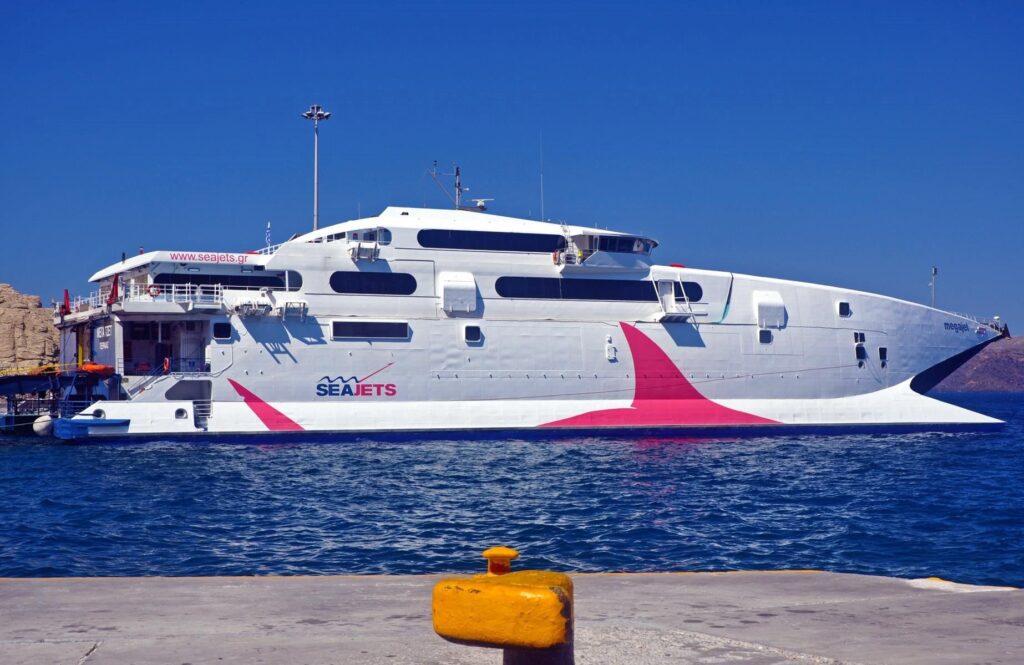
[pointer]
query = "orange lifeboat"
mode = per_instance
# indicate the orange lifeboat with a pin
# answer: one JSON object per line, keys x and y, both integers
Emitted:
{"x": 96, "y": 368}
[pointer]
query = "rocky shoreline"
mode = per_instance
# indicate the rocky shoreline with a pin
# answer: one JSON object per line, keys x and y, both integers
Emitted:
{"x": 998, "y": 368}
{"x": 27, "y": 335}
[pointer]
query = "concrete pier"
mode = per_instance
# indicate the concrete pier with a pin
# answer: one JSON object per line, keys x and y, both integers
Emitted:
{"x": 757, "y": 618}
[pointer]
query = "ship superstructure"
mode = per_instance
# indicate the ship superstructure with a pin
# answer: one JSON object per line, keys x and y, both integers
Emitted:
{"x": 422, "y": 320}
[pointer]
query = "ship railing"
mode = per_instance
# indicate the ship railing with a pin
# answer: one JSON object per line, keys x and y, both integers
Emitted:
{"x": 994, "y": 324}
{"x": 202, "y": 294}
{"x": 68, "y": 408}
{"x": 268, "y": 250}
{"x": 175, "y": 365}
{"x": 94, "y": 300}
{"x": 31, "y": 407}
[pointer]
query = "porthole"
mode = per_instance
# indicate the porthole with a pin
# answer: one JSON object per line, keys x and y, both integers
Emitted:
{"x": 99, "y": 414}
{"x": 764, "y": 336}
{"x": 473, "y": 334}
{"x": 844, "y": 309}
{"x": 181, "y": 414}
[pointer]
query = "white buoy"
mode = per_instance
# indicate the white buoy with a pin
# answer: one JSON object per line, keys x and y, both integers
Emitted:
{"x": 43, "y": 426}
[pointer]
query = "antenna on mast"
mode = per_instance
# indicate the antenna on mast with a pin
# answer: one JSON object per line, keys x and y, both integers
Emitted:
{"x": 542, "y": 176}
{"x": 459, "y": 188}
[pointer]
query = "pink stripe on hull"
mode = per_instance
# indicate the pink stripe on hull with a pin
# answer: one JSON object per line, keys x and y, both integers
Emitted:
{"x": 274, "y": 420}
{"x": 662, "y": 396}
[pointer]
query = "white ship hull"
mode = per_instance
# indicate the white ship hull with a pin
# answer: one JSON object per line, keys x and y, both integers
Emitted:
{"x": 480, "y": 351}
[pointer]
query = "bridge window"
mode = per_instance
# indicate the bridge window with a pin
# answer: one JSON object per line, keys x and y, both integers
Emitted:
{"x": 369, "y": 330}
{"x": 378, "y": 283}
{"x": 625, "y": 244}
{"x": 490, "y": 240}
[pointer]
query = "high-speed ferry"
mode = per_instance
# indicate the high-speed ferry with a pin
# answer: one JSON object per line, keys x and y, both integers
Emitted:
{"x": 424, "y": 320}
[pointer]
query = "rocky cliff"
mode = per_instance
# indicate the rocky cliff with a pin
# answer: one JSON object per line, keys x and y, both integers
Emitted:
{"x": 27, "y": 335}
{"x": 999, "y": 367}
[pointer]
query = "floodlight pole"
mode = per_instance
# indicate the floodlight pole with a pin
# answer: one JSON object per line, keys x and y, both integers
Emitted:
{"x": 316, "y": 113}
{"x": 935, "y": 273}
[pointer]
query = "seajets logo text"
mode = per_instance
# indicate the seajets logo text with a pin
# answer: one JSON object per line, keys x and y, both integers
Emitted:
{"x": 956, "y": 327}
{"x": 340, "y": 386}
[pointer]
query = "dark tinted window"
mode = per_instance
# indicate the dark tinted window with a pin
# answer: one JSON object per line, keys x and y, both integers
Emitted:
{"x": 372, "y": 329}
{"x": 242, "y": 281}
{"x": 844, "y": 309}
{"x": 764, "y": 336}
{"x": 628, "y": 244}
{"x": 555, "y": 288}
{"x": 389, "y": 283}
{"x": 222, "y": 330}
{"x": 493, "y": 240}
{"x": 474, "y": 334}
{"x": 693, "y": 292}
{"x": 862, "y": 353}
{"x": 883, "y": 353}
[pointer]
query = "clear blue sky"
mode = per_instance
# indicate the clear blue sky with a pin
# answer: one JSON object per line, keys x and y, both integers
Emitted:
{"x": 849, "y": 143}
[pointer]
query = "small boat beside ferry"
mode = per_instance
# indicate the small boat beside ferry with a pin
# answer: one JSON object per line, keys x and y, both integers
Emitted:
{"x": 431, "y": 320}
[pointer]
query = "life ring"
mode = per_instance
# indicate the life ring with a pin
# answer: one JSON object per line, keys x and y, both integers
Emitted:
{"x": 154, "y": 290}
{"x": 167, "y": 365}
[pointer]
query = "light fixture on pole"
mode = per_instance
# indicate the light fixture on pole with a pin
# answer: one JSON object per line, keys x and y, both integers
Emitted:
{"x": 316, "y": 113}
{"x": 935, "y": 274}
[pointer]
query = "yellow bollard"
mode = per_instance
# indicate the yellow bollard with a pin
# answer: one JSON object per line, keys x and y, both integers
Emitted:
{"x": 528, "y": 613}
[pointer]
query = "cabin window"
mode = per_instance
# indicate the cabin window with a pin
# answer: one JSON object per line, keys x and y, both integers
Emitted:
{"x": 625, "y": 244}
{"x": 844, "y": 309}
{"x": 862, "y": 353}
{"x": 378, "y": 283}
{"x": 222, "y": 330}
{"x": 764, "y": 336}
{"x": 384, "y": 236}
{"x": 883, "y": 353}
{"x": 239, "y": 281}
{"x": 858, "y": 338}
{"x": 491, "y": 240}
{"x": 369, "y": 330}
{"x": 556, "y": 288}
{"x": 473, "y": 334}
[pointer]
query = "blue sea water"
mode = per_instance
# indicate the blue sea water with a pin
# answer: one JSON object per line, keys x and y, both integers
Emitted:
{"x": 908, "y": 505}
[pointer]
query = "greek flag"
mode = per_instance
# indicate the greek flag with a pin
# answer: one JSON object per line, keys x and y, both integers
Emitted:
{"x": 268, "y": 234}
